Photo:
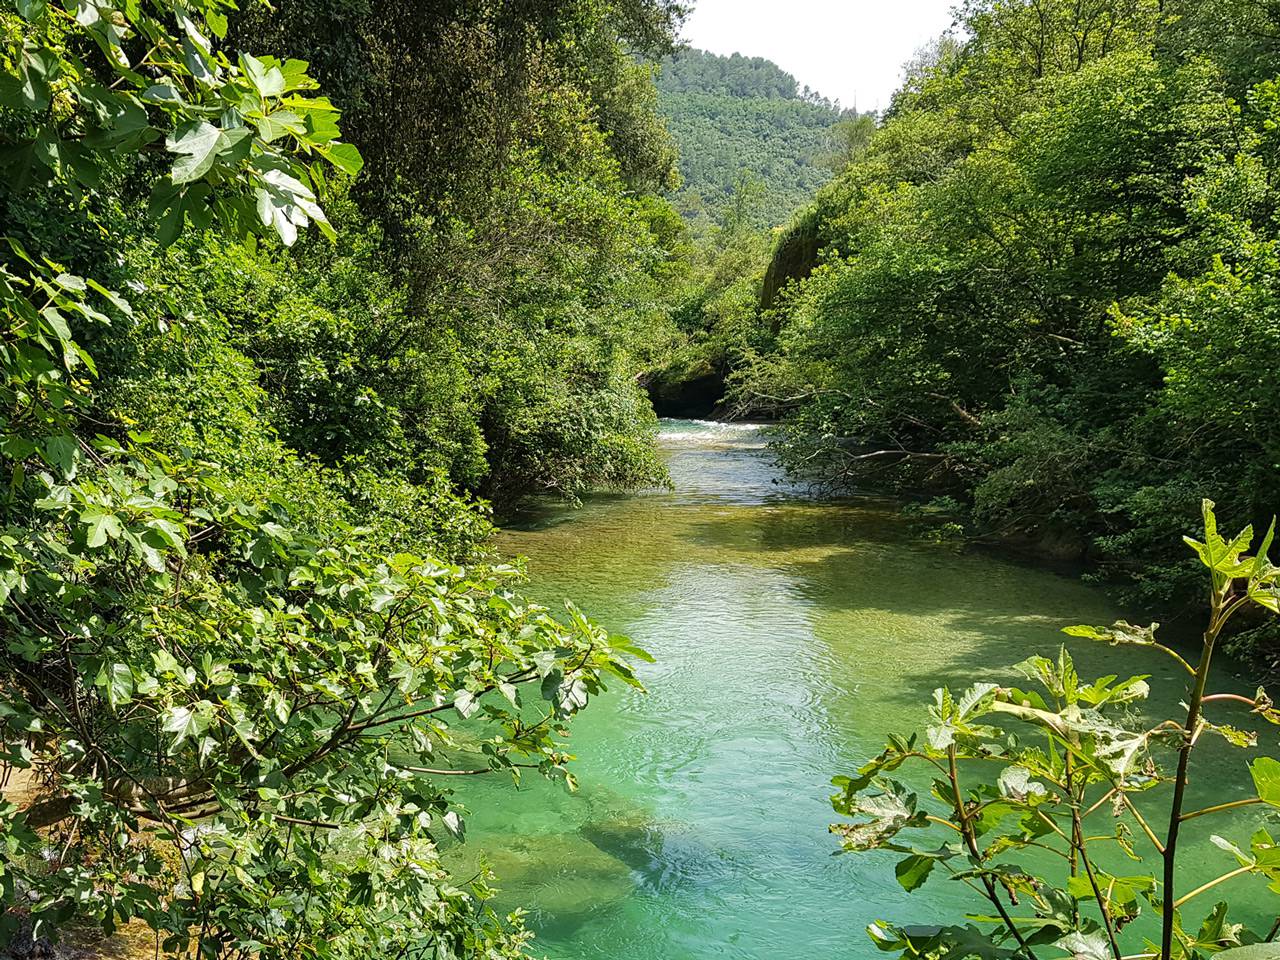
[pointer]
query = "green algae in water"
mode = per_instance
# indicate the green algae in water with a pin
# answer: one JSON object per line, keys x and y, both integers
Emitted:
{"x": 791, "y": 635}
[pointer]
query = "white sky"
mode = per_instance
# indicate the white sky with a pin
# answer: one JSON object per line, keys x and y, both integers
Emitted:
{"x": 848, "y": 50}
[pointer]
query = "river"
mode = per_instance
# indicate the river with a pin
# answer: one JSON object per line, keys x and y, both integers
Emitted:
{"x": 790, "y": 635}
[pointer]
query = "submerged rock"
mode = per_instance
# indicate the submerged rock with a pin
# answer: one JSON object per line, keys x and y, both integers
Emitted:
{"x": 557, "y": 877}
{"x": 635, "y": 842}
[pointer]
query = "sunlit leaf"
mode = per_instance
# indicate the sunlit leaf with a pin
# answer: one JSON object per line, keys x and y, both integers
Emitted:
{"x": 1266, "y": 779}
{"x": 197, "y": 143}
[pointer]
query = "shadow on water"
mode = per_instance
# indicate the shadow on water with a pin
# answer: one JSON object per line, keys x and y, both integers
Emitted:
{"x": 561, "y": 878}
{"x": 788, "y": 525}
{"x": 544, "y": 514}
{"x": 637, "y": 844}
{"x": 581, "y": 876}
{"x": 864, "y": 559}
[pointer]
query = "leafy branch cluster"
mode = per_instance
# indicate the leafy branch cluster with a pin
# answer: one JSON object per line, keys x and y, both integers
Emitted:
{"x": 1039, "y": 792}
{"x": 234, "y": 681}
{"x": 1042, "y": 292}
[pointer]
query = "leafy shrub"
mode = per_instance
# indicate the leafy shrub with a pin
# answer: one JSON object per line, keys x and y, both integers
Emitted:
{"x": 1020, "y": 771}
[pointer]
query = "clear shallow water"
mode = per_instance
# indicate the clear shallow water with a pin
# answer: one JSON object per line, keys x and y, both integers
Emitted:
{"x": 791, "y": 635}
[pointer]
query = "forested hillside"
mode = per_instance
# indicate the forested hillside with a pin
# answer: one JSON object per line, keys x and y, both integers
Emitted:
{"x": 1045, "y": 293}
{"x": 752, "y": 142}
{"x": 280, "y": 307}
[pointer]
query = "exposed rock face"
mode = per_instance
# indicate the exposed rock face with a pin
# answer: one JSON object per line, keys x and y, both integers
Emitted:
{"x": 794, "y": 258}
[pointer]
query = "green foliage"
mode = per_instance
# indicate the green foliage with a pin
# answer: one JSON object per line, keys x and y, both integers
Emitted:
{"x": 851, "y": 137}
{"x": 716, "y": 313}
{"x": 248, "y": 627}
{"x": 503, "y": 235}
{"x": 698, "y": 71}
{"x": 438, "y": 95}
{"x": 1043, "y": 287}
{"x": 211, "y": 706}
{"x": 249, "y": 170}
{"x": 1016, "y": 772}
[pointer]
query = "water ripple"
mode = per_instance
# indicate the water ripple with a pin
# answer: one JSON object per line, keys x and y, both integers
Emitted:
{"x": 791, "y": 636}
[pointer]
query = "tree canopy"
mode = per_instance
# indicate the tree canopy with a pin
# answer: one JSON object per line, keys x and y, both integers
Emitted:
{"x": 1040, "y": 292}
{"x": 268, "y": 338}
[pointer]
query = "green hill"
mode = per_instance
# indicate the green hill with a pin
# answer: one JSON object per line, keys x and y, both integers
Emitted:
{"x": 744, "y": 122}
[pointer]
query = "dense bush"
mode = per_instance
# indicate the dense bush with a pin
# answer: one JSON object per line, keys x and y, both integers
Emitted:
{"x": 245, "y": 597}
{"x": 1045, "y": 285}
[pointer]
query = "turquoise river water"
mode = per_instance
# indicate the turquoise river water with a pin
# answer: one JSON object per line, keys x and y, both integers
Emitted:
{"x": 791, "y": 636}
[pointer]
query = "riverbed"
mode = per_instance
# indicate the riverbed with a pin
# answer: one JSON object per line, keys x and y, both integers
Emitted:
{"x": 791, "y": 634}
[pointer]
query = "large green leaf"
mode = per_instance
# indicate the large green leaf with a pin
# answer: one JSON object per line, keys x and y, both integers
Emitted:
{"x": 36, "y": 68}
{"x": 1016, "y": 783}
{"x": 31, "y": 9}
{"x": 954, "y": 719}
{"x": 288, "y": 205}
{"x": 888, "y": 813}
{"x": 1221, "y": 556}
{"x": 117, "y": 680}
{"x": 197, "y": 144}
{"x": 187, "y": 722}
{"x": 264, "y": 74}
{"x": 275, "y": 125}
{"x": 1253, "y": 951}
{"x": 914, "y": 870}
{"x": 1086, "y": 946}
{"x": 1120, "y": 632}
{"x": 102, "y": 526}
{"x": 344, "y": 156}
{"x": 464, "y": 701}
{"x": 1266, "y": 779}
